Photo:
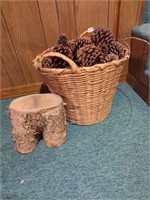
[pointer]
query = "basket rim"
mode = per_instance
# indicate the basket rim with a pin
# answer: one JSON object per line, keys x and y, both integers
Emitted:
{"x": 81, "y": 69}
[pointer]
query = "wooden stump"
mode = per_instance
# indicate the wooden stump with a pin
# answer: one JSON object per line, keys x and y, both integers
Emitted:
{"x": 36, "y": 116}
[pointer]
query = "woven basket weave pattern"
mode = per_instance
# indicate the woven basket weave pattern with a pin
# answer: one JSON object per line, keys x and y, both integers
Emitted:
{"x": 88, "y": 95}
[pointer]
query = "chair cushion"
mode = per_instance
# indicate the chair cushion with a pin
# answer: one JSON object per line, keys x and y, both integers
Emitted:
{"x": 147, "y": 67}
{"x": 146, "y": 12}
{"x": 142, "y": 31}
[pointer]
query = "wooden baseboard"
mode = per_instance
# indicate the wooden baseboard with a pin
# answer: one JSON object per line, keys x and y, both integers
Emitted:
{"x": 21, "y": 90}
{"x": 139, "y": 88}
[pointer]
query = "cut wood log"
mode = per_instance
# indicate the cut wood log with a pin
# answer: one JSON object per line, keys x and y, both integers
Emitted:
{"x": 37, "y": 116}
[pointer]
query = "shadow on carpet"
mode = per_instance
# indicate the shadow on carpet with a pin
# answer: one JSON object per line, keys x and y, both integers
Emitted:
{"x": 106, "y": 161}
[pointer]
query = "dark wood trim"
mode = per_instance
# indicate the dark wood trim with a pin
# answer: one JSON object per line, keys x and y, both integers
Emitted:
{"x": 21, "y": 90}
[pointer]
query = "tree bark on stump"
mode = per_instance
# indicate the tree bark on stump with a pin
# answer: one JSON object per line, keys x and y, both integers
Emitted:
{"x": 37, "y": 116}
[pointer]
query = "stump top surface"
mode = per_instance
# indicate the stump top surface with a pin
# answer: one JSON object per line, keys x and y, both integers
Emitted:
{"x": 35, "y": 102}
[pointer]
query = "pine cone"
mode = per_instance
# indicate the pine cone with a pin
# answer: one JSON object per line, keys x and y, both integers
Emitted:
{"x": 80, "y": 42}
{"x": 72, "y": 45}
{"x": 47, "y": 62}
{"x": 117, "y": 48}
{"x": 55, "y": 62}
{"x": 102, "y": 58}
{"x": 104, "y": 49}
{"x": 101, "y": 35}
{"x": 110, "y": 57}
{"x": 62, "y": 40}
{"x": 88, "y": 55}
{"x": 58, "y": 62}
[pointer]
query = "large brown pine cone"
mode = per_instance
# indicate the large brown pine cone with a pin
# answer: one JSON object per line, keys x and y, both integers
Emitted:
{"x": 80, "y": 42}
{"x": 72, "y": 44}
{"x": 58, "y": 62}
{"x": 89, "y": 55}
{"x": 62, "y": 40}
{"x": 101, "y": 36}
{"x": 47, "y": 62}
{"x": 104, "y": 48}
{"x": 117, "y": 48}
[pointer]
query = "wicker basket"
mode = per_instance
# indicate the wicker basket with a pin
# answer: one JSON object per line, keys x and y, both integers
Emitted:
{"x": 87, "y": 91}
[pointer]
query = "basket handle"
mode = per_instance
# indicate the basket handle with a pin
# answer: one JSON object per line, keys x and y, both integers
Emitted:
{"x": 89, "y": 30}
{"x": 128, "y": 49}
{"x": 136, "y": 38}
{"x": 38, "y": 60}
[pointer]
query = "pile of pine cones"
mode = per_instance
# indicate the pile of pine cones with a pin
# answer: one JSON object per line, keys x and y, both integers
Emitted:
{"x": 100, "y": 47}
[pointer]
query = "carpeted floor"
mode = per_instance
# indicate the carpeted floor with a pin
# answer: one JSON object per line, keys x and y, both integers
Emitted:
{"x": 106, "y": 161}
